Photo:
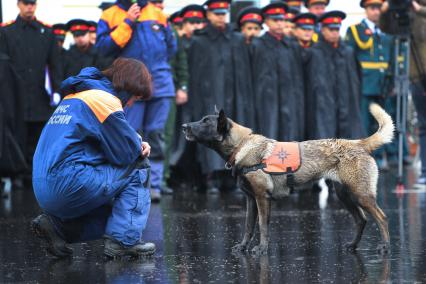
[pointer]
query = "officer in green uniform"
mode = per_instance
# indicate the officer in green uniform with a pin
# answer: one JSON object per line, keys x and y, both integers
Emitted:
{"x": 374, "y": 51}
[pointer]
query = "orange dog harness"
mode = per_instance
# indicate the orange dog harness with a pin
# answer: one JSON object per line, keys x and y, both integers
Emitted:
{"x": 285, "y": 159}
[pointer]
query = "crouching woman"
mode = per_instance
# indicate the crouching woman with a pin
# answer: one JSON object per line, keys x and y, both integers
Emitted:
{"x": 90, "y": 173}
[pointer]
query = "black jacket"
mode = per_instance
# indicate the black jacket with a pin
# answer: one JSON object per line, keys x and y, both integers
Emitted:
{"x": 219, "y": 68}
{"x": 278, "y": 88}
{"x": 76, "y": 59}
{"x": 333, "y": 92}
{"x": 12, "y": 136}
{"x": 32, "y": 48}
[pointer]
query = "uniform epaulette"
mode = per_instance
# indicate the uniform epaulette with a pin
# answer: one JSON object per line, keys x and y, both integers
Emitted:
{"x": 361, "y": 44}
{"x": 44, "y": 24}
{"x": 8, "y": 23}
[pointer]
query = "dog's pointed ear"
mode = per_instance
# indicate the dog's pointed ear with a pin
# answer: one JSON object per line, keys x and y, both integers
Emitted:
{"x": 216, "y": 111}
{"x": 222, "y": 123}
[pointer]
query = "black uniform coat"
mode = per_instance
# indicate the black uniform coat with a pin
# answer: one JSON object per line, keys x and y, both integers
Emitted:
{"x": 32, "y": 47}
{"x": 333, "y": 92}
{"x": 182, "y": 113}
{"x": 77, "y": 59}
{"x": 219, "y": 68}
{"x": 278, "y": 88}
{"x": 12, "y": 139}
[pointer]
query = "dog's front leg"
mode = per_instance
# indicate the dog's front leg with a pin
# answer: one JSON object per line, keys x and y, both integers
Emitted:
{"x": 264, "y": 210}
{"x": 251, "y": 217}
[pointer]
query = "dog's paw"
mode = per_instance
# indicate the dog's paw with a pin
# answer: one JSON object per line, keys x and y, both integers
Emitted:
{"x": 383, "y": 248}
{"x": 260, "y": 250}
{"x": 240, "y": 248}
{"x": 350, "y": 247}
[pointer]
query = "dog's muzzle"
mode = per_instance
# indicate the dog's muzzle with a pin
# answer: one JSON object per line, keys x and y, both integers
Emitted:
{"x": 186, "y": 129}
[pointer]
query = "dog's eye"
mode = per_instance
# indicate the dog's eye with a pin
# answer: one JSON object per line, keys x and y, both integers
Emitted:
{"x": 205, "y": 120}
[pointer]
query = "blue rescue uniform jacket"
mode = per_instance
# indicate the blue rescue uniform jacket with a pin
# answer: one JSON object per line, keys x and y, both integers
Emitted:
{"x": 149, "y": 39}
{"x": 88, "y": 131}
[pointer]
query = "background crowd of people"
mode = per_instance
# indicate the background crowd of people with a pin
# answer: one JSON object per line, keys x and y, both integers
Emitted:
{"x": 285, "y": 73}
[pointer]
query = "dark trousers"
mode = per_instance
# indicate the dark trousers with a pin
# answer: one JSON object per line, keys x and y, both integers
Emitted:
{"x": 33, "y": 132}
{"x": 419, "y": 98}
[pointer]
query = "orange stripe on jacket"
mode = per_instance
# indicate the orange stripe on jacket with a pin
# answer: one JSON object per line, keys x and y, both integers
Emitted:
{"x": 115, "y": 17}
{"x": 122, "y": 32}
{"x": 102, "y": 104}
{"x": 153, "y": 13}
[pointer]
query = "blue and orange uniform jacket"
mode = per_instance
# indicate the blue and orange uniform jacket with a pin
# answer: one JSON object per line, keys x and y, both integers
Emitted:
{"x": 149, "y": 39}
{"x": 87, "y": 128}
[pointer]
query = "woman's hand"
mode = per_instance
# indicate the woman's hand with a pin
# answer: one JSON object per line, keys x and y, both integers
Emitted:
{"x": 146, "y": 149}
{"x": 134, "y": 12}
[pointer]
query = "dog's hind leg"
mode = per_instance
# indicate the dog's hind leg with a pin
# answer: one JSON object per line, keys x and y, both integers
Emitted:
{"x": 356, "y": 212}
{"x": 264, "y": 210}
{"x": 368, "y": 203}
{"x": 251, "y": 217}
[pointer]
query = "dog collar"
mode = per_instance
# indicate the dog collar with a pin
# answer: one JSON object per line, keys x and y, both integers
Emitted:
{"x": 232, "y": 159}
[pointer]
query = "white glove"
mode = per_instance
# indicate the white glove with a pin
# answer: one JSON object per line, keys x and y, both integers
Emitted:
{"x": 56, "y": 99}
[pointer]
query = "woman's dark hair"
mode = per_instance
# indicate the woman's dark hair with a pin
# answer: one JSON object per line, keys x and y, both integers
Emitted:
{"x": 131, "y": 76}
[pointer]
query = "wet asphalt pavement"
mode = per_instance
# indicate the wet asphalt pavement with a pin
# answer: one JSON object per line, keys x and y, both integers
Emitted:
{"x": 194, "y": 234}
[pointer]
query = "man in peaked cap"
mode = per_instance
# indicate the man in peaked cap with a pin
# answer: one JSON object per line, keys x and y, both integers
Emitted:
{"x": 316, "y": 7}
{"x": 37, "y": 61}
{"x": 194, "y": 18}
{"x": 219, "y": 68}
{"x": 289, "y": 25}
{"x": 333, "y": 89}
{"x": 249, "y": 21}
{"x": 82, "y": 53}
{"x": 294, "y": 4}
{"x": 373, "y": 49}
{"x": 279, "y": 92}
{"x": 60, "y": 32}
{"x": 304, "y": 29}
{"x": 176, "y": 20}
{"x": 179, "y": 65}
{"x": 93, "y": 26}
{"x": 217, "y": 11}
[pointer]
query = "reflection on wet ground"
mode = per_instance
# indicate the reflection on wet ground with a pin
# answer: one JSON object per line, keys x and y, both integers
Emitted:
{"x": 194, "y": 234}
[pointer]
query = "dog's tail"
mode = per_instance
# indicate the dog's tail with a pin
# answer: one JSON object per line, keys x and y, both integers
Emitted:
{"x": 385, "y": 132}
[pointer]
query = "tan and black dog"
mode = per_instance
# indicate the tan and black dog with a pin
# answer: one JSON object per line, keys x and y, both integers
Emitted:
{"x": 348, "y": 162}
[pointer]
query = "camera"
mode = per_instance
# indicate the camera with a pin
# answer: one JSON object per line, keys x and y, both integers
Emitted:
{"x": 401, "y": 12}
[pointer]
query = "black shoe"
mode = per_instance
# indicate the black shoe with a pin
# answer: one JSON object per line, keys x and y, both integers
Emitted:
{"x": 55, "y": 245}
{"x": 114, "y": 249}
{"x": 166, "y": 190}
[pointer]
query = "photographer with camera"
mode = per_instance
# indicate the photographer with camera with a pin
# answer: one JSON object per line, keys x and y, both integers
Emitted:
{"x": 409, "y": 17}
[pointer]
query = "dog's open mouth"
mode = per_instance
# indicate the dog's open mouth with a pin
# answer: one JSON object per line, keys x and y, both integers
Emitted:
{"x": 188, "y": 135}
